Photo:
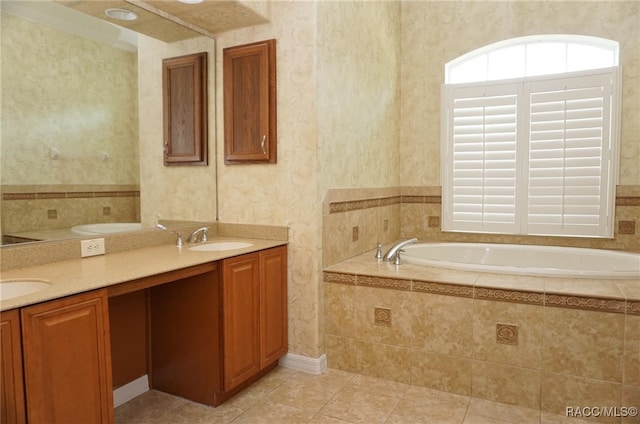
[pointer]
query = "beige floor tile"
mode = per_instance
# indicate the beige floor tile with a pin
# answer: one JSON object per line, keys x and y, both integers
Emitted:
{"x": 365, "y": 400}
{"x": 310, "y": 392}
{"x": 324, "y": 419}
{"x": 503, "y": 412}
{"x": 409, "y": 411}
{"x": 549, "y": 418}
{"x": 479, "y": 419}
{"x": 272, "y": 412}
{"x": 150, "y": 407}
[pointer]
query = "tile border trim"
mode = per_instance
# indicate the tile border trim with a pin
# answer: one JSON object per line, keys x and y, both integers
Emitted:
{"x": 586, "y": 303}
{"x": 353, "y": 205}
{"x": 69, "y": 195}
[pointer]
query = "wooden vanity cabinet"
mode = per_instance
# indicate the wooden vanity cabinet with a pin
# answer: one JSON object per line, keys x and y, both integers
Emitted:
{"x": 12, "y": 407}
{"x": 66, "y": 352}
{"x": 254, "y": 292}
{"x": 249, "y": 91}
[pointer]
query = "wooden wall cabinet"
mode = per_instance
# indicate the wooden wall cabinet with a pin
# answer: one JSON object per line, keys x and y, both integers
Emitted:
{"x": 185, "y": 110}
{"x": 12, "y": 406}
{"x": 254, "y": 307}
{"x": 249, "y": 91}
{"x": 66, "y": 353}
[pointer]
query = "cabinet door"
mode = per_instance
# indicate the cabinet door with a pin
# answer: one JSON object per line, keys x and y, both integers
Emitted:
{"x": 241, "y": 318}
{"x": 185, "y": 109}
{"x": 11, "y": 383}
{"x": 249, "y": 91}
{"x": 67, "y": 360}
{"x": 273, "y": 305}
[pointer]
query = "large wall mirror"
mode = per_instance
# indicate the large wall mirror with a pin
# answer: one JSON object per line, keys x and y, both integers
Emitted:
{"x": 69, "y": 145}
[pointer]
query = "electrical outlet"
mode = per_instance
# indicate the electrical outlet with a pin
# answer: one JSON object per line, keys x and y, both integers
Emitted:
{"x": 91, "y": 247}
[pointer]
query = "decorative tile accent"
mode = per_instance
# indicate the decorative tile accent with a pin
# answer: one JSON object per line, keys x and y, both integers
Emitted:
{"x": 442, "y": 288}
{"x": 69, "y": 195}
{"x": 509, "y": 296}
{"x": 355, "y": 233}
{"x": 626, "y": 227}
{"x": 434, "y": 222}
{"x": 627, "y": 201}
{"x": 586, "y": 303}
{"x": 383, "y": 283}
{"x": 336, "y": 277}
{"x": 52, "y": 214}
{"x": 507, "y": 334}
{"x": 337, "y": 207}
{"x": 633, "y": 308}
{"x": 382, "y": 316}
{"x": 422, "y": 199}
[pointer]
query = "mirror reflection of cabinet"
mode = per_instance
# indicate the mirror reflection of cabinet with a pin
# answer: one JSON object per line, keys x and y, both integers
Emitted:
{"x": 249, "y": 74}
{"x": 185, "y": 109}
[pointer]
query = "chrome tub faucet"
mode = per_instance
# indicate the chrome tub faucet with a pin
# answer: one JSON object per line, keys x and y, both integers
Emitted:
{"x": 393, "y": 253}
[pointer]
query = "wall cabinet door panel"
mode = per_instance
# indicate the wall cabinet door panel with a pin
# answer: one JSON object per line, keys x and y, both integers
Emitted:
{"x": 249, "y": 91}
{"x": 67, "y": 360}
{"x": 185, "y": 110}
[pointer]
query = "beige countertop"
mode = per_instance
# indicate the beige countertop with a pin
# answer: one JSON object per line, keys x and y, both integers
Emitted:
{"x": 80, "y": 275}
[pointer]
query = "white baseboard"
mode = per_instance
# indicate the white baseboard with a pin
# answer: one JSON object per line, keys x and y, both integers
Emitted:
{"x": 124, "y": 394}
{"x": 304, "y": 363}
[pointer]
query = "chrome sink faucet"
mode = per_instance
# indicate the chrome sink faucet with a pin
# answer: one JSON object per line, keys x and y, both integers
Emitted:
{"x": 392, "y": 254}
{"x": 202, "y": 232}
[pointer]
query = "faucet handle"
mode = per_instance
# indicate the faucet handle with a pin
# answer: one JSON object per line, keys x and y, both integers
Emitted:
{"x": 179, "y": 241}
{"x": 398, "y": 261}
{"x": 379, "y": 251}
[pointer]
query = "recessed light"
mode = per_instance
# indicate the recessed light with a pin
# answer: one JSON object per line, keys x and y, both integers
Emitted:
{"x": 121, "y": 14}
{"x": 191, "y": 1}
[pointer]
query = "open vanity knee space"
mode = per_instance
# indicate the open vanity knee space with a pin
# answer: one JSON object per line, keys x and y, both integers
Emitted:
{"x": 204, "y": 326}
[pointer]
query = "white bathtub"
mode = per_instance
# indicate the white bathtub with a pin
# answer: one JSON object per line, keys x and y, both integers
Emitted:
{"x": 568, "y": 262}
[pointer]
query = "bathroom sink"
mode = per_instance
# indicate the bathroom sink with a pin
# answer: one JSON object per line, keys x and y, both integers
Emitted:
{"x": 15, "y": 288}
{"x": 220, "y": 246}
{"x": 105, "y": 228}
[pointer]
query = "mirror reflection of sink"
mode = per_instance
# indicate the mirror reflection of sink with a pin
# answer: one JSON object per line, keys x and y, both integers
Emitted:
{"x": 16, "y": 288}
{"x": 221, "y": 245}
{"x": 105, "y": 228}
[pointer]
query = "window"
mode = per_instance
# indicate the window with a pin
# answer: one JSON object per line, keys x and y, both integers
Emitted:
{"x": 537, "y": 154}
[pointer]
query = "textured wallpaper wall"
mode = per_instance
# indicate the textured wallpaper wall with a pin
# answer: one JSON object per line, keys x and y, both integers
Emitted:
{"x": 434, "y": 33}
{"x": 71, "y": 94}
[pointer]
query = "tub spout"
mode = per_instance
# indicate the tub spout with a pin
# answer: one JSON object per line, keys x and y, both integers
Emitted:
{"x": 392, "y": 253}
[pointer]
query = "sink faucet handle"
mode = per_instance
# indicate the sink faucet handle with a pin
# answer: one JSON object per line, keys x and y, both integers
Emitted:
{"x": 179, "y": 241}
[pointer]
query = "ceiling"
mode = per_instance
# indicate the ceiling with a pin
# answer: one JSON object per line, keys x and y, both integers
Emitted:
{"x": 171, "y": 20}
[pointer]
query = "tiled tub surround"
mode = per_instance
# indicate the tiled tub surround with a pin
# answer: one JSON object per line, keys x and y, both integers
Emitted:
{"x": 534, "y": 342}
{"x": 388, "y": 214}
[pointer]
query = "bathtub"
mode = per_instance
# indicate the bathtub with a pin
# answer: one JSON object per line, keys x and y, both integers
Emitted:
{"x": 547, "y": 261}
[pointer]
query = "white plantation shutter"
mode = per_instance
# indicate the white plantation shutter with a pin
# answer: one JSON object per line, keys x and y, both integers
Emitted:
{"x": 532, "y": 156}
{"x": 483, "y": 158}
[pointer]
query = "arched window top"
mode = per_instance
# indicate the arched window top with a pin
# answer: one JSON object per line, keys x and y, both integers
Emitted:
{"x": 531, "y": 56}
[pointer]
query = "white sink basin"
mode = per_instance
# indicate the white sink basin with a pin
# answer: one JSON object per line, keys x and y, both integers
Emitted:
{"x": 16, "y": 288}
{"x": 221, "y": 245}
{"x": 105, "y": 228}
